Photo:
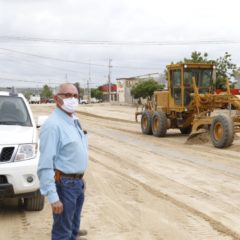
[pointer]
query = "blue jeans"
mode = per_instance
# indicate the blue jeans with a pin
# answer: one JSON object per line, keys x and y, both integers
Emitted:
{"x": 66, "y": 225}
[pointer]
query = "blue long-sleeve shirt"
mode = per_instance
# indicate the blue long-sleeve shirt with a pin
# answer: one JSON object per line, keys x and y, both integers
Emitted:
{"x": 63, "y": 146}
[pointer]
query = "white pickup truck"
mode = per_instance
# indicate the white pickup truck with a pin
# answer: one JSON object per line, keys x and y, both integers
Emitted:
{"x": 35, "y": 99}
{"x": 95, "y": 100}
{"x": 83, "y": 101}
{"x": 19, "y": 152}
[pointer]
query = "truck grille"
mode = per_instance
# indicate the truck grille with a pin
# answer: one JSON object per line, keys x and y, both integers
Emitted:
{"x": 3, "y": 179}
{"x": 6, "y": 154}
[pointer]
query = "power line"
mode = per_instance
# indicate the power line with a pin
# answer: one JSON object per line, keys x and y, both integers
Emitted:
{"x": 40, "y": 82}
{"x": 120, "y": 43}
{"x": 25, "y": 61}
{"x": 47, "y": 57}
{"x": 24, "y": 80}
{"x": 69, "y": 61}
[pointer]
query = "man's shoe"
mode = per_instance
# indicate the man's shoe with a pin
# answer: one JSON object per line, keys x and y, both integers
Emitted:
{"x": 82, "y": 233}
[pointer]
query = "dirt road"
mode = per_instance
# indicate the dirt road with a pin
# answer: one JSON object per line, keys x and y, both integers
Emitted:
{"x": 142, "y": 187}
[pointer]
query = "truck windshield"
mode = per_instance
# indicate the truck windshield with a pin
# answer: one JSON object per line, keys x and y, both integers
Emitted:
{"x": 203, "y": 79}
{"x": 13, "y": 111}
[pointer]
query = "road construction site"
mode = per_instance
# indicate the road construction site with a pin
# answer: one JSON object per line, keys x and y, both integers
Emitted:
{"x": 144, "y": 187}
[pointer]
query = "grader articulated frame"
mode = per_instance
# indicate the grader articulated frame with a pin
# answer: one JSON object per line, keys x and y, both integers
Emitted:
{"x": 188, "y": 103}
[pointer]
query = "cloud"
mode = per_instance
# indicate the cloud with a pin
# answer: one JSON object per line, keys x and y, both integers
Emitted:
{"x": 152, "y": 21}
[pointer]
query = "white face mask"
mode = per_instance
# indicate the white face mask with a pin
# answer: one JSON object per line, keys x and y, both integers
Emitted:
{"x": 70, "y": 104}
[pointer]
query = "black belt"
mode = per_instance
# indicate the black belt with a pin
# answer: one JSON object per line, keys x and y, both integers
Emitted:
{"x": 72, "y": 175}
{"x": 59, "y": 175}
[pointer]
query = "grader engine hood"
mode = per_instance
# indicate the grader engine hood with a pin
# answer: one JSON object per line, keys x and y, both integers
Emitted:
{"x": 161, "y": 99}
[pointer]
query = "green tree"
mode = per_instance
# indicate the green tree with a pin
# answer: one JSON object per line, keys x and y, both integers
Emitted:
{"x": 224, "y": 70}
{"x": 145, "y": 89}
{"x": 96, "y": 93}
{"x": 197, "y": 57}
{"x": 46, "y": 92}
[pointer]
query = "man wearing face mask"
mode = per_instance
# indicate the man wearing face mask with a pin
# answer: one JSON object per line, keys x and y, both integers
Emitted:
{"x": 62, "y": 164}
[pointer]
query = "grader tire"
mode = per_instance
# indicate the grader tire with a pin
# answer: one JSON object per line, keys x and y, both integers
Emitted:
{"x": 222, "y": 131}
{"x": 159, "y": 124}
{"x": 146, "y": 123}
{"x": 186, "y": 130}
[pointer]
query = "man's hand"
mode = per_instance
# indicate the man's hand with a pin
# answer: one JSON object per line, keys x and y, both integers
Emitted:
{"x": 57, "y": 207}
{"x": 84, "y": 185}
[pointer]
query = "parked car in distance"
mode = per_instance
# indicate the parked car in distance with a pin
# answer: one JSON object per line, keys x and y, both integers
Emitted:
{"x": 46, "y": 100}
{"x": 83, "y": 101}
{"x": 95, "y": 100}
{"x": 19, "y": 152}
{"x": 34, "y": 99}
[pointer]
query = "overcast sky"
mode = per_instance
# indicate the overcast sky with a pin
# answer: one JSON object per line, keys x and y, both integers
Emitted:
{"x": 33, "y": 36}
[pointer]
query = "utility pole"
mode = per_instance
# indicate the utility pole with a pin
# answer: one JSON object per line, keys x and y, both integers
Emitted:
{"x": 85, "y": 89}
{"x": 109, "y": 79}
{"x": 88, "y": 84}
{"x": 66, "y": 77}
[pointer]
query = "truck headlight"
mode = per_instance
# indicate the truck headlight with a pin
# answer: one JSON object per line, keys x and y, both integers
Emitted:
{"x": 26, "y": 151}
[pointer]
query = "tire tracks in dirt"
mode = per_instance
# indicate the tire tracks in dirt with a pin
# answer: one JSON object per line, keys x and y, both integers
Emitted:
{"x": 169, "y": 181}
{"x": 216, "y": 225}
{"x": 104, "y": 117}
{"x": 21, "y": 224}
{"x": 168, "y": 139}
{"x": 183, "y": 157}
{"x": 211, "y": 171}
{"x": 213, "y": 151}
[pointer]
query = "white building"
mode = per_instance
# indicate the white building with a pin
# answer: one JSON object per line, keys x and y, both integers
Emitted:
{"x": 124, "y": 85}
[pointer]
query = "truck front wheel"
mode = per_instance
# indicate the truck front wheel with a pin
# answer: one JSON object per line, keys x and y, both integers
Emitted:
{"x": 222, "y": 131}
{"x": 35, "y": 203}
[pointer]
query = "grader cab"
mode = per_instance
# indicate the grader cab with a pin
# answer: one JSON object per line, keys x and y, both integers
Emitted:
{"x": 188, "y": 103}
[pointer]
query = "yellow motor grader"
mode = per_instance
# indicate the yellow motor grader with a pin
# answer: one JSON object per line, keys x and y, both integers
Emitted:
{"x": 188, "y": 103}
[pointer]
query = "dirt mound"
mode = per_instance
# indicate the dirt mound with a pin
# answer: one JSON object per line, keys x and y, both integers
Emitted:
{"x": 200, "y": 137}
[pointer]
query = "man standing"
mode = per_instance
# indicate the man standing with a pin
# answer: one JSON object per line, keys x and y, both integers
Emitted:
{"x": 62, "y": 163}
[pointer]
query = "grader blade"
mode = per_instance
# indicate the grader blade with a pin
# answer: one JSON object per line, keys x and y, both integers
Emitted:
{"x": 199, "y": 136}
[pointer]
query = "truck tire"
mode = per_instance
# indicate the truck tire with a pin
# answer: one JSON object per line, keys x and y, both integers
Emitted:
{"x": 35, "y": 203}
{"x": 146, "y": 123}
{"x": 186, "y": 130}
{"x": 222, "y": 131}
{"x": 159, "y": 124}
